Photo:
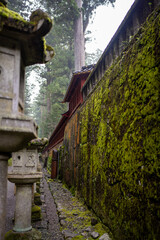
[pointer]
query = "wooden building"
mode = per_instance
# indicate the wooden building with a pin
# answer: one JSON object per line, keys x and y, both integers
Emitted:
{"x": 74, "y": 98}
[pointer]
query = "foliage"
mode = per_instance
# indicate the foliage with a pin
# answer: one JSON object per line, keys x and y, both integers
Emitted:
{"x": 25, "y": 7}
{"x": 66, "y": 11}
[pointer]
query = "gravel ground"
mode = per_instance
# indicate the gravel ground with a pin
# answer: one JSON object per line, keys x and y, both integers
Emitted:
{"x": 50, "y": 215}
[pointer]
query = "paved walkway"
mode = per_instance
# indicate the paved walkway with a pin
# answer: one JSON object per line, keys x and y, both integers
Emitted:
{"x": 63, "y": 215}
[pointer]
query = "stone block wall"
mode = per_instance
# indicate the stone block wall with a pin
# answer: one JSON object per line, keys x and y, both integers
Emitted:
{"x": 111, "y": 152}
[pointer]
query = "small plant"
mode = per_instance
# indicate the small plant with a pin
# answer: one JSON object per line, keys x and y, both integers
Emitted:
{"x": 10, "y": 162}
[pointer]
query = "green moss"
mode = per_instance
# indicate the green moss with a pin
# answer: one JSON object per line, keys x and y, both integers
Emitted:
{"x": 48, "y": 48}
{"x": 49, "y": 162}
{"x": 10, "y": 162}
{"x": 50, "y": 180}
{"x": 36, "y": 213}
{"x": 38, "y": 14}
{"x": 35, "y": 208}
{"x": 6, "y": 13}
{"x": 37, "y": 199}
{"x": 79, "y": 237}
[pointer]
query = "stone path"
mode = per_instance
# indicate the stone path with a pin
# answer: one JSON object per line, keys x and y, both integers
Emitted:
{"x": 49, "y": 226}
{"x": 63, "y": 215}
{"x": 77, "y": 222}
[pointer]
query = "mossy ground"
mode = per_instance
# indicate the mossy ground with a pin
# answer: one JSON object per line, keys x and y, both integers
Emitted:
{"x": 5, "y": 12}
{"x": 78, "y": 219}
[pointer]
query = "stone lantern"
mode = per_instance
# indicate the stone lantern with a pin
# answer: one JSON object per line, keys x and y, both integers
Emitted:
{"x": 21, "y": 44}
{"x": 24, "y": 174}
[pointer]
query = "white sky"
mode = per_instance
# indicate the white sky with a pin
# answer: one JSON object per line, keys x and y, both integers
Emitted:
{"x": 105, "y": 23}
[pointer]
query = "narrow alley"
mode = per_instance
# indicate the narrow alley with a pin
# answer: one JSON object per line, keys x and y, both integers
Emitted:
{"x": 63, "y": 215}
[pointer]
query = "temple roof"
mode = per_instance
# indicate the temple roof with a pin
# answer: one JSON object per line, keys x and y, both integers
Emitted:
{"x": 30, "y": 34}
{"x": 83, "y": 73}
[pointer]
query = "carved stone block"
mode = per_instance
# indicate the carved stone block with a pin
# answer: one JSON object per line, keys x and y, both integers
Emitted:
{"x": 25, "y": 161}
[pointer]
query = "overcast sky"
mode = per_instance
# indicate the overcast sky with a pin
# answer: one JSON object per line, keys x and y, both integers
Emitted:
{"x": 105, "y": 23}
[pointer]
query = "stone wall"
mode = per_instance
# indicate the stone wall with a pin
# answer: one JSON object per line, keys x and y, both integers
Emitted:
{"x": 111, "y": 144}
{"x": 128, "y": 28}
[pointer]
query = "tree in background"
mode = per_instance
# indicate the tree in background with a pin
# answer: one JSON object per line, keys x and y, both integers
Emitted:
{"x": 71, "y": 18}
{"x": 77, "y": 14}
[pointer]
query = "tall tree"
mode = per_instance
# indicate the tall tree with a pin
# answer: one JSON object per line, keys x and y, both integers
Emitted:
{"x": 79, "y": 52}
{"x": 77, "y": 13}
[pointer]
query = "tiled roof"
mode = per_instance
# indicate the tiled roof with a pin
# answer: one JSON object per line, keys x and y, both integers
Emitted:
{"x": 77, "y": 74}
{"x": 85, "y": 69}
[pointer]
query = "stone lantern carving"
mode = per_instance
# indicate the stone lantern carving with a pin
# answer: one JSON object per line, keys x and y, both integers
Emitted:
{"x": 21, "y": 44}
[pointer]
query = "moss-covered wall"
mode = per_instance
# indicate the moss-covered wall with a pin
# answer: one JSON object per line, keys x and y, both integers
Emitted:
{"x": 112, "y": 143}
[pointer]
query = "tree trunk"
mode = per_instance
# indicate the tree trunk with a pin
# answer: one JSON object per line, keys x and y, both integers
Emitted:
{"x": 48, "y": 96}
{"x": 79, "y": 52}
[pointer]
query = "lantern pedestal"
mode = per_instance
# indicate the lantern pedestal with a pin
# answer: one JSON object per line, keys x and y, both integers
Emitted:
{"x": 23, "y": 207}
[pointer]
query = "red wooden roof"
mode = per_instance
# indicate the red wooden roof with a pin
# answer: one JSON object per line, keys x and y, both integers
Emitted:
{"x": 79, "y": 75}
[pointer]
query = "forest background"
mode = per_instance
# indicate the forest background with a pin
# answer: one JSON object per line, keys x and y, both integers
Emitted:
{"x": 70, "y": 21}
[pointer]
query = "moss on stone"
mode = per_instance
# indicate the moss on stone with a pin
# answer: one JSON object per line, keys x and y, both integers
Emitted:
{"x": 37, "y": 199}
{"x": 16, "y": 21}
{"x": 10, "y": 162}
{"x": 38, "y": 14}
{"x": 6, "y": 13}
{"x": 36, "y": 213}
{"x": 124, "y": 154}
{"x": 31, "y": 235}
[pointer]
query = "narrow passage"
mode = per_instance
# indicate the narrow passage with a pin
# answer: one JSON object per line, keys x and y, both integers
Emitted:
{"x": 53, "y": 226}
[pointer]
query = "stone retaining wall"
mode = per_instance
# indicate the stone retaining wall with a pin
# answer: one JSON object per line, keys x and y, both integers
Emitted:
{"x": 111, "y": 144}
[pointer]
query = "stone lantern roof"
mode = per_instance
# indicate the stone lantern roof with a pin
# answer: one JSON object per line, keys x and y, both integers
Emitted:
{"x": 30, "y": 34}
